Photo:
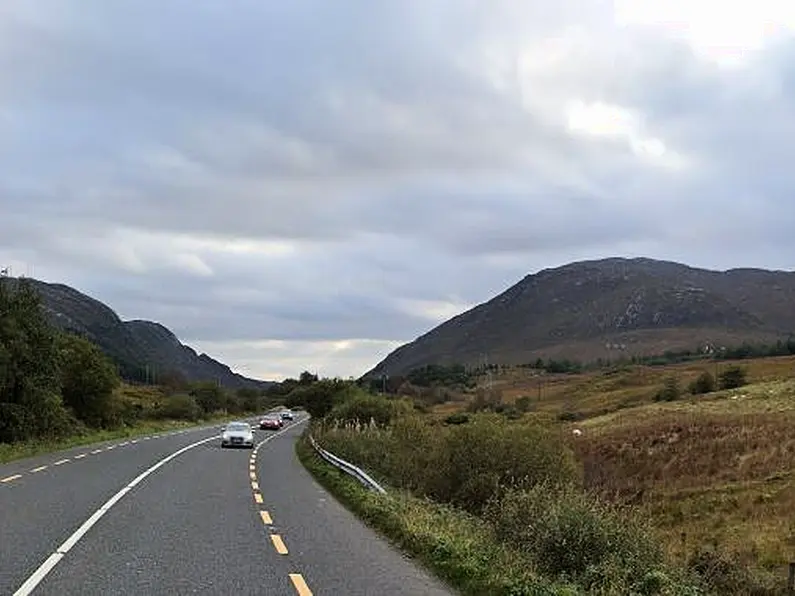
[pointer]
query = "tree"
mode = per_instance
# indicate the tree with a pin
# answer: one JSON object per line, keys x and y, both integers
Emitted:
{"x": 209, "y": 396}
{"x": 30, "y": 402}
{"x": 87, "y": 379}
{"x": 249, "y": 399}
{"x": 307, "y": 378}
{"x": 319, "y": 398}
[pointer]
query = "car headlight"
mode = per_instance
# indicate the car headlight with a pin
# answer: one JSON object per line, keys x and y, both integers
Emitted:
{"x": 224, "y": 437}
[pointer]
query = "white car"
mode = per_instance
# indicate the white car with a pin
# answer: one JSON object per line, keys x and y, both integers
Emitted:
{"x": 238, "y": 434}
{"x": 287, "y": 415}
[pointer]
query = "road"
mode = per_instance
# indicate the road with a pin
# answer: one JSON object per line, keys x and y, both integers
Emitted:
{"x": 176, "y": 514}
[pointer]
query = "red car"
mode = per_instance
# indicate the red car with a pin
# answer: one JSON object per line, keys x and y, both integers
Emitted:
{"x": 270, "y": 423}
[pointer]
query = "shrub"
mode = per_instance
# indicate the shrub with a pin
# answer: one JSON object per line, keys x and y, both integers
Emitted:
{"x": 463, "y": 464}
{"x": 480, "y": 458}
{"x": 457, "y": 418}
{"x": 705, "y": 383}
{"x": 318, "y": 398}
{"x": 363, "y": 409}
{"x": 670, "y": 390}
{"x": 732, "y": 378}
{"x": 524, "y": 404}
{"x": 571, "y": 535}
{"x": 181, "y": 407}
{"x": 721, "y": 573}
{"x": 88, "y": 379}
{"x": 569, "y": 416}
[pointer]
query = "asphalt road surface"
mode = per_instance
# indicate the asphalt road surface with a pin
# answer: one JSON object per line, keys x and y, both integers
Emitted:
{"x": 176, "y": 514}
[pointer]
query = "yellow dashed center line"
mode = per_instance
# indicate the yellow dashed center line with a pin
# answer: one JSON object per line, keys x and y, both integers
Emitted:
{"x": 266, "y": 518}
{"x": 96, "y": 451}
{"x": 39, "y": 469}
{"x": 62, "y": 462}
{"x": 81, "y": 456}
{"x": 278, "y": 544}
{"x": 255, "y": 486}
{"x": 252, "y": 475}
{"x": 300, "y": 584}
{"x": 10, "y": 478}
{"x": 257, "y": 497}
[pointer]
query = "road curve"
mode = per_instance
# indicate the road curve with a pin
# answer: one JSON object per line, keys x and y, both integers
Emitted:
{"x": 206, "y": 521}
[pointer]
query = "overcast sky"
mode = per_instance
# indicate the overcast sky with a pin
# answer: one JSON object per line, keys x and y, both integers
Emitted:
{"x": 309, "y": 184}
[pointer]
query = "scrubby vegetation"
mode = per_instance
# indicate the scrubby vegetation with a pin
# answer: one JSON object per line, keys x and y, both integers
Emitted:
{"x": 677, "y": 479}
{"x": 515, "y": 482}
{"x": 55, "y": 385}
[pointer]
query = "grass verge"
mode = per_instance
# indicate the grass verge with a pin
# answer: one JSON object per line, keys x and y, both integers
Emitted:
{"x": 457, "y": 547}
{"x": 13, "y": 451}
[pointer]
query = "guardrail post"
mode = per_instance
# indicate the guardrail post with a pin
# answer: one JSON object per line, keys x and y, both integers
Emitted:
{"x": 791, "y": 579}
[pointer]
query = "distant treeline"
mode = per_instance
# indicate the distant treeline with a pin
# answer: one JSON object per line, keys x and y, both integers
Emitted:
{"x": 463, "y": 377}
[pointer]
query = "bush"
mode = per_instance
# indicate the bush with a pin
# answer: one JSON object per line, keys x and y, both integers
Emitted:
{"x": 705, "y": 383}
{"x": 732, "y": 378}
{"x": 88, "y": 379}
{"x": 180, "y": 407}
{"x": 363, "y": 409}
{"x": 457, "y": 418}
{"x": 723, "y": 574}
{"x": 670, "y": 390}
{"x": 570, "y": 535}
{"x": 569, "y": 416}
{"x": 318, "y": 398}
{"x": 524, "y": 404}
{"x": 462, "y": 464}
{"x": 209, "y": 396}
{"x": 523, "y": 482}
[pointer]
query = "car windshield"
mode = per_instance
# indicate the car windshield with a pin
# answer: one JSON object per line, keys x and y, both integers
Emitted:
{"x": 237, "y": 426}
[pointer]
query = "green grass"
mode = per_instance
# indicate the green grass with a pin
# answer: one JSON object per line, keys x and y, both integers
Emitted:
{"x": 459, "y": 548}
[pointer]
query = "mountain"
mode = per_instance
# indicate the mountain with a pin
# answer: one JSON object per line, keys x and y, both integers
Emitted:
{"x": 143, "y": 350}
{"x": 606, "y": 309}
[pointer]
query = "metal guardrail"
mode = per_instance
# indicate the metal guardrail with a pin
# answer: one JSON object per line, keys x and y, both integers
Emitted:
{"x": 347, "y": 467}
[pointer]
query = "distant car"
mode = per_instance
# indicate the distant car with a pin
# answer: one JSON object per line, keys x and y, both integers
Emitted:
{"x": 238, "y": 434}
{"x": 287, "y": 415}
{"x": 271, "y": 423}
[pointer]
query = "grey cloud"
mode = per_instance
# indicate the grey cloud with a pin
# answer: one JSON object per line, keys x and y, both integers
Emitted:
{"x": 407, "y": 151}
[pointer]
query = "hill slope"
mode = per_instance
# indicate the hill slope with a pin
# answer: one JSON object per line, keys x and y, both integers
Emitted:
{"x": 609, "y": 308}
{"x": 142, "y": 349}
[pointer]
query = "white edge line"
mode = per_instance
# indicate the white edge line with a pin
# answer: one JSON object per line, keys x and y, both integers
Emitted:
{"x": 38, "y": 576}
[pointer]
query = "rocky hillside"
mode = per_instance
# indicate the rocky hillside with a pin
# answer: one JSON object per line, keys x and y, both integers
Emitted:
{"x": 607, "y": 309}
{"x": 142, "y": 349}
